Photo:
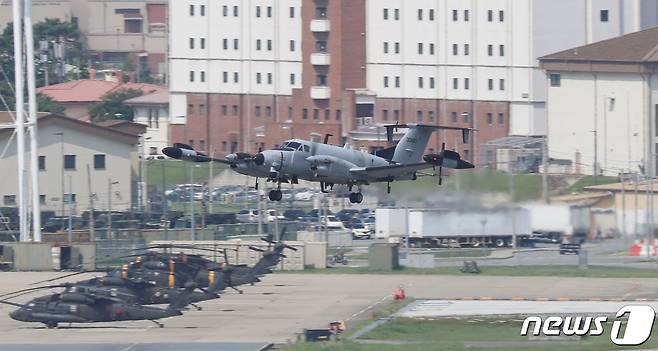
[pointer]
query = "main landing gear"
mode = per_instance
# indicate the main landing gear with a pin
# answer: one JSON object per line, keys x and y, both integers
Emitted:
{"x": 356, "y": 198}
{"x": 275, "y": 195}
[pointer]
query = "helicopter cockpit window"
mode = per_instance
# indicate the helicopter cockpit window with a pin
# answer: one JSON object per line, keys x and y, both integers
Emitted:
{"x": 307, "y": 148}
{"x": 294, "y": 145}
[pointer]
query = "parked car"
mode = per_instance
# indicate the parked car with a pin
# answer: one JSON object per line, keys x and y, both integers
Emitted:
{"x": 247, "y": 216}
{"x": 305, "y": 195}
{"x": 347, "y": 214}
{"x": 332, "y": 222}
{"x": 295, "y": 215}
{"x": 316, "y": 212}
{"x": 360, "y": 231}
{"x": 271, "y": 215}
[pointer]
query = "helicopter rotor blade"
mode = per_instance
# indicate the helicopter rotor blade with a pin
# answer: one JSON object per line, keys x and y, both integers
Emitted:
{"x": 256, "y": 249}
{"x": 13, "y": 304}
{"x": 290, "y": 247}
{"x": 58, "y": 278}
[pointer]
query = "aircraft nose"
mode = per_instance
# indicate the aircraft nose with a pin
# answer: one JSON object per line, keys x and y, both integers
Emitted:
{"x": 173, "y": 152}
{"x": 232, "y": 158}
{"x": 17, "y": 315}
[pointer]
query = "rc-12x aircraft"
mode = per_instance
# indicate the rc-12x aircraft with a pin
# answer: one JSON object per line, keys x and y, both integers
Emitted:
{"x": 329, "y": 164}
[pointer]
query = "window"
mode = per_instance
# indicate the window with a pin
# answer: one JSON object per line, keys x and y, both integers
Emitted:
{"x": 224, "y": 110}
{"x": 203, "y": 10}
{"x": 268, "y": 111}
{"x": 604, "y": 16}
{"x": 99, "y": 161}
{"x": 489, "y": 118}
{"x": 420, "y": 14}
{"x": 289, "y": 112}
{"x": 501, "y": 118}
{"x": 397, "y": 14}
{"x": 455, "y": 15}
{"x": 69, "y": 198}
{"x": 431, "y": 82}
{"x": 420, "y": 82}
{"x": 397, "y": 48}
{"x": 191, "y": 43}
{"x": 420, "y": 48}
{"x": 397, "y": 81}
{"x": 431, "y": 48}
{"x": 467, "y": 83}
{"x": 386, "y": 47}
{"x": 236, "y": 12}
{"x": 490, "y": 84}
{"x": 453, "y": 117}
{"x": 321, "y": 12}
{"x": 191, "y": 10}
{"x": 203, "y": 43}
{"x": 455, "y": 83}
{"x": 225, "y": 10}
{"x": 292, "y": 79}
{"x": 9, "y": 200}
{"x": 236, "y": 77}
{"x": 202, "y": 109}
{"x": 269, "y": 45}
{"x": 501, "y": 50}
{"x": 236, "y": 43}
{"x": 257, "y": 112}
{"x": 322, "y": 80}
{"x": 466, "y": 16}
{"x": 419, "y": 116}
{"x": 501, "y": 84}
{"x": 385, "y": 115}
{"x": 42, "y": 199}
{"x": 203, "y": 76}
{"x": 455, "y": 49}
{"x": 190, "y": 109}
{"x": 490, "y": 50}
{"x": 269, "y": 11}
{"x": 385, "y": 14}
{"x": 257, "y": 44}
{"x": 316, "y": 114}
{"x": 225, "y": 44}
{"x": 465, "y": 116}
{"x": 235, "y": 110}
{"x": 385, "y": 81}
{"x": 501, "y": 16}
{"x": 269, "y": 78}
{"x": 225, "y": 77}
{"x": 42, "y": 163}
{"x": 202, "y": 144}
{"x": 327, "y": 115}
{"x": 467, "y": 49}
{"x": 305, "y": 114}
{"x": 292, "y": 45}
{"x": 69, "y": 162}
{"x": 490, "y": 15}
{"x": 396, "y": 115}
{"x": 224, "y": 146}
{"x": 431, "y": 15}
{"x": 430, "y": 116}
{"x": 292, "y": 12}
{"x": 321, "y": 46}
{"x": 556, "y": 79}
{"x": 258, "y": 78}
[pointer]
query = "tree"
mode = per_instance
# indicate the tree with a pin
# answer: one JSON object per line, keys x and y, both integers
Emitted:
{"x": 44, "y": 102}
{"x": 112, "y": 106}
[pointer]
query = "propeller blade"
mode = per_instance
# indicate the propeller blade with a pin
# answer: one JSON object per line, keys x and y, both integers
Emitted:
{"x": 256, "y": 249}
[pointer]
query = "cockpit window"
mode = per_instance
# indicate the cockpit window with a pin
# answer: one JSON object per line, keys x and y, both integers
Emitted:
{"x": 307, "y": 148}
{"x": 294, "y": 145}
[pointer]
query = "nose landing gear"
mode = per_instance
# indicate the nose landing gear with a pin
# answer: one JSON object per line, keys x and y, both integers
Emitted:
{"x": 356, "y": 198}
{"x": 275, "y": 195}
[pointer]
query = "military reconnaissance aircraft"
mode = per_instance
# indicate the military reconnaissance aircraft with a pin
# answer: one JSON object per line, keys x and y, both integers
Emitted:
{"x": 329, "y": 164}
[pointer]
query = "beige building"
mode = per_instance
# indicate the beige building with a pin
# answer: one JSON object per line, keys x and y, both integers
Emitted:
{"x": 67, "y": 149}
{"x": 41, "y": 9}
{"x": 152, "y": 110}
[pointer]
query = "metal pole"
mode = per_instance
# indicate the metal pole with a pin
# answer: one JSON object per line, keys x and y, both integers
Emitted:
{"x": 623, "y": 208}
{"x": 192, "y": 221}
{"x": 635, "y": 229}
{"x": 140, "y": 185}
{"x": 61, "y": 152}
{"x": 70, "y": 231}
{"x": 596, "y": 157}
{"x": 648, "y": 217}
{"x": 17, "y": 10}
{"x": 165, "y": 204}
{"x": 92, "y": 222}
{"x": 512, "y": 194}
{"x": 210, "y": 186}
{"x": 109, "y": 208}
{"x": 32, "y": 108}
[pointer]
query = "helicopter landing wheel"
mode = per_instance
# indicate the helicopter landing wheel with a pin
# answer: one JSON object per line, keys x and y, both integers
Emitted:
{"x": 51, "y": 324}
{"x": 356, "y": 198}
{"x": 275, "y": 195}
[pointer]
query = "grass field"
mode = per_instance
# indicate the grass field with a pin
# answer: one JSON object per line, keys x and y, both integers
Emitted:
{"x": 178, "y": 172}
{"x": 589, "y": 181}
{"x": 512, "y": 271}
{"x": 464, "y": 334}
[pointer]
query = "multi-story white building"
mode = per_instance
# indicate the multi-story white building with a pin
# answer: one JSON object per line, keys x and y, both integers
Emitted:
{"x": 307, "y": 68}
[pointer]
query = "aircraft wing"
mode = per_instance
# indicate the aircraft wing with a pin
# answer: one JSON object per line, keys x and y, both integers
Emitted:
{"x": 390, "y": 171}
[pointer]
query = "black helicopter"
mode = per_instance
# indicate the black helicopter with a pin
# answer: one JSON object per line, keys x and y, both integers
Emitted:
{"x": 86, "y": 307}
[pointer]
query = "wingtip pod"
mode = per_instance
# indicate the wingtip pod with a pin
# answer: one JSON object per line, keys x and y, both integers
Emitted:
{"x": 185, "y": 153}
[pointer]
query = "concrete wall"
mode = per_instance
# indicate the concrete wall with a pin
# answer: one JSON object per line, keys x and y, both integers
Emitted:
{"x": 31, "y": 256}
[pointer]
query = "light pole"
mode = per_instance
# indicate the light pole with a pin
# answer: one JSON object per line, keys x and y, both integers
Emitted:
{"x": 109, "y": 206}
{"x": 61, "y": 147}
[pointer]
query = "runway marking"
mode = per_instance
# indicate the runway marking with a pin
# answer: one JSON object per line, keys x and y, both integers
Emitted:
{"x": 545, "y": 299}
{"x": 129, "y": 347}
{"x": 369, "y": 307}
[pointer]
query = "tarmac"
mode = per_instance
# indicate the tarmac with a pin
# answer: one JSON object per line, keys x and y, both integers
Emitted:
{"x": 279, "y": 308}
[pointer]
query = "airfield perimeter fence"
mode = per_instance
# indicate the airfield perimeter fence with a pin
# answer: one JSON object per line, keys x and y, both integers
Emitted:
{"x": 122, "y": 242}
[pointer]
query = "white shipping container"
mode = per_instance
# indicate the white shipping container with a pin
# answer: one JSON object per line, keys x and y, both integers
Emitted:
{"x": 466, "y": 223}
{"x": 390, "y": 222}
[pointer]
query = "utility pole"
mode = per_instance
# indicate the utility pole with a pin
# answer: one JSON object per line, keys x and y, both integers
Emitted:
{"x": 17, "y": 9}
{"x": 70, "y": 231}
{"x": 210, "y": 186}
{"x": 165, "y": 205}
{"x": 109, "y": 206}
{"x": 92, "y": 224}
{"x": 596, "y": 157}
{"x": 635, "y": 214}
{"x": 32, "y": 128}
{"x": 512, "y": 195}
{"x": 544, "y": 176}
{"x": 61, "y": 152}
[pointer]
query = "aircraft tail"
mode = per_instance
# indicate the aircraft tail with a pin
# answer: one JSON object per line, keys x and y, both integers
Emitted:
{"x": 183, "y": 299}
{"x": 412, "y": 146}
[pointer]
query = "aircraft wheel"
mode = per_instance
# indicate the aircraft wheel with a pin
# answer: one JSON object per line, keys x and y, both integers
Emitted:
{"x": 51, "y": 324}
{"x": 353, "y": 198}
{"x": 275, "y": 195}
{"x": 359, "y": 198}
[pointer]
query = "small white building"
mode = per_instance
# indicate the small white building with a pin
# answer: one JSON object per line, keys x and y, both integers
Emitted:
{"x": 75, "y": 159}
{"x": 602, "y": 104}
{"x": 152, "y": 110}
